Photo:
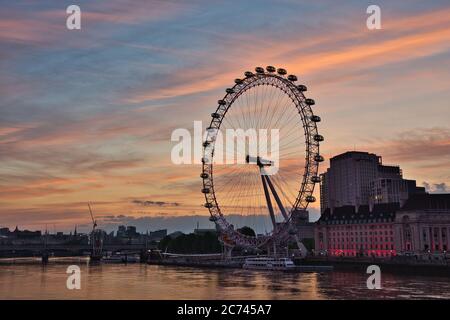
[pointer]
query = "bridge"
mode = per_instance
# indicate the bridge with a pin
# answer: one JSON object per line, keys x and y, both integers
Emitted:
{"x": 7, "y": 250}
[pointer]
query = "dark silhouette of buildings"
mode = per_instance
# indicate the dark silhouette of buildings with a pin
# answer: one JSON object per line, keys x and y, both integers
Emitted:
{"x": 369, "y": 210}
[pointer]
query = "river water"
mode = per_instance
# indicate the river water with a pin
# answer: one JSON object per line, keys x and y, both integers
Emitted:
{"x": 140, "y": 281}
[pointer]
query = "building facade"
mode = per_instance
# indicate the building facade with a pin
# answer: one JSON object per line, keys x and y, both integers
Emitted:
{"x": 304, "y": 228}
{"x": 421, "y": 226}
{"x": 351, "y": 233}
{"x": 358, "y": 178}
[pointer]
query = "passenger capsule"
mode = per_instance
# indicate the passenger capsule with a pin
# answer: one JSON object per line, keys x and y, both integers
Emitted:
{"x": 315, "y": 118}
{"x": 292, "y": 77}
{"x": 212, "y": 131}
{"x": 208, "y": 205}
{"x": 302, "y": 88}
{"x": 318, "y": 158}
{"x": 205, "y": 190}
{"x": 238, "y": 81}
{"x": 204, "y": 175}
{"x": 318, "y": 137}
{"x": 310, "y": 198}
{"x": 315, "y": 179}
{"x": 229, "y": 90}
{"x": 222, "y": 102}
{"x": 259, "y": 70}
{"x": 215, "y": 115}
{"x": 310, "y": 102}
{"x": 212, "y": 137}
{"x": 281, "y": 71}
{"x": 248, "y": 74}
{"x": 270, "y": 69}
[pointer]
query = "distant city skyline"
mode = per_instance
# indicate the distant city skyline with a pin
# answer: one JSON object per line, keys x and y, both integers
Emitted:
{"x": 185, "y": 224}
{"x": 86, "y": 116}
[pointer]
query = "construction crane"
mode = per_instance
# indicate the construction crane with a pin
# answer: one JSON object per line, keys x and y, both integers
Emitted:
{"x": 94, "y": 222}
{"x": 96, "y": 239}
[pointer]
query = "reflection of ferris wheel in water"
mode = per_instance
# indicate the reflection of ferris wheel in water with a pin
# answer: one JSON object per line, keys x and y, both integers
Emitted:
{"x": 267, "y": 99}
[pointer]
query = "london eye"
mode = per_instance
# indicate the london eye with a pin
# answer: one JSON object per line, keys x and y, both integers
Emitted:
{"x": 256, "y": 183}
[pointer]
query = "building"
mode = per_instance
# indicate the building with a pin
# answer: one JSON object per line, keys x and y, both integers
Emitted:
{"x": 175, "y": 234}
{"x": 157, "y": 235}
{"x": 351, "y": 232}
{"x": 388, "y": 190}
{"x": 358, "y": 178}
{"x": 202, "y": 232}
{"x": 421, "y": 226}
{"x": 24, "y": 236}
{"x": 4, "y": 231}
{"x": 131, "y": 232}
{"x": 304, "y": 228}
{"x": 121, "y": 232}
{"x": 127, "y": 232}
{"x": 347, "y": 180}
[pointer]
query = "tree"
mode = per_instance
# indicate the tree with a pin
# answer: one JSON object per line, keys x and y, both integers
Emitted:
{"x": 247, "y": 231}
{"x": 308, "y": 243}
{"x": 191, "y": 243}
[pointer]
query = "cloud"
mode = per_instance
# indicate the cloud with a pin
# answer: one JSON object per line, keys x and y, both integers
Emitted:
{"x": 420, "y": 144}
{"x": 150, "y": 203}
{"x": 441, "y": 187}
{"x": 39, "y": 26}
{"x": 410, "y": 38}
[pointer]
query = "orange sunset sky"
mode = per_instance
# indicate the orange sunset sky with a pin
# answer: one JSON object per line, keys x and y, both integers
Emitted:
{"x": 87, "y": 115}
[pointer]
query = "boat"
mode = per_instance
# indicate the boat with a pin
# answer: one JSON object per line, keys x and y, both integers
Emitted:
{"x": 268, "y": 263}
{"x": 133, "y": 258}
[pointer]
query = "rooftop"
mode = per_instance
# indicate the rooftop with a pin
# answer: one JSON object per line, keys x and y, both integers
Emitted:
{"x": 387, "y": 210}
{"x": 428, "y": 201}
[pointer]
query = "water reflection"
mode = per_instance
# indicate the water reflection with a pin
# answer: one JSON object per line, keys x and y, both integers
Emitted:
{"x": 136, "y": 281}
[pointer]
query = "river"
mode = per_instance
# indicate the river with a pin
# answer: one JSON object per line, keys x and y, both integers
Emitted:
{"x": 140, "y": 281}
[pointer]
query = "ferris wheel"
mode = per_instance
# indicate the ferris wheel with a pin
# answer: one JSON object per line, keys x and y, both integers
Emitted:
{"x": 267, "y": 101}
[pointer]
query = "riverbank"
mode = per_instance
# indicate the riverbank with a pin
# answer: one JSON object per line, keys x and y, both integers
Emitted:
{"x": 311, "y": 264}
{"x": 393, "y": 266}
{"x": 38, "y": 260}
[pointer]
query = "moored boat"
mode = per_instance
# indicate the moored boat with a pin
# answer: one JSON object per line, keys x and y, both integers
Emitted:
{"x": 269, "y": 263}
